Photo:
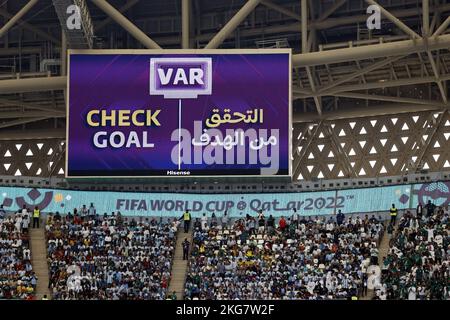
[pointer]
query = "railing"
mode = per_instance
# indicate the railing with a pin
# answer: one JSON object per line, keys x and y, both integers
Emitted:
{"x": 217, "y": 186}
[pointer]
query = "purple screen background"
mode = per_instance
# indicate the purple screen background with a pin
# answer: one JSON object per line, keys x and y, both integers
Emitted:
{"x": 121, "y": 81}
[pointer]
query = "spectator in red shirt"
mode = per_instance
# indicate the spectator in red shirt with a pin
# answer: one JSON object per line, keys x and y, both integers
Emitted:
{"x": 282, "y": 224}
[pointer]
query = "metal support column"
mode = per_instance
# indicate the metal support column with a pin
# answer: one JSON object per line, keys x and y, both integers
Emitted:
{"x": 304, "y": 12}
{"x": 64, "y": 60}
{"x": 63, "y": 54}
{"x": 426, "y": 18}
{"x": 185, "y": 8}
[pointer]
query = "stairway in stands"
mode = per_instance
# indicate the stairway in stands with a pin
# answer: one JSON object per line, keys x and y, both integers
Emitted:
{"x": 179, "y": 266}
{"x": 39, "y": 261}
{"x": 383, "y": 250}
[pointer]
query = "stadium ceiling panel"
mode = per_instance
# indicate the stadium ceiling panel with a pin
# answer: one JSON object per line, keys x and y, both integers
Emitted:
{"x": 349, "y": 82}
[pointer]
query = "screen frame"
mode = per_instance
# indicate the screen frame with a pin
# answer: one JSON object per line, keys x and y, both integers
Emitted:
{"x": 287, "y": 51}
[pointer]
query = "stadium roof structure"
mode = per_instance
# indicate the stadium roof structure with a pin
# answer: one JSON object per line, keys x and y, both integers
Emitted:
{"x": 367, "y": 103}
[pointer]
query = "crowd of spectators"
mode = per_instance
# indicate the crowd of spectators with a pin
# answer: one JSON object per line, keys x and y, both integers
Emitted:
{"x": 109, "y": 257}
{"x": 292, "y": 258}
{"x": 417, "y": 266}
{"x": 17, "y": 279}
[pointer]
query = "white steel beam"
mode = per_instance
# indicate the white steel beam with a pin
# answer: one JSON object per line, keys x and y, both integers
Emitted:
{"x": 331, "y": 10}
{"x": 17, "y": 122}
{"x": 304, "y": 22}
{"x": 305, "y": 49}
{"x": 28, "y": 134}
{"x": 442, "y": 27}
{"x": 17, "y": 17}
{"x": 232, "y": 24}
{"x": 397, "y": 48}
{"x": 361, "y": 112}
{"x": 395, "y": 20}
{"x": 359, "y": 73}
{"x": 283, "y": 10}
{"x": 122, "y": 9}
{"x": 26, "y": 114}
{"x": 426, "y": 18}
{"x": 295, "y": 27}
{"x": 32, "y": 84}
{"x": 18, "y": 51}
{"x": 423, "y": 150}
{"x": 59, "y": 83}
{"x": 346, "y": 164}
{"x": 63, "y": 54}
{"x": 28, "y": 105}
{"x": 436, "y": 74}
{"x": 375, "y": 97}
{"x": 370, "y": 85}
{"x": 297, "y": 160}
{"x": 44, "y": 35}
{"x": 317, "y": 99}
{"x": 185, "y": 8}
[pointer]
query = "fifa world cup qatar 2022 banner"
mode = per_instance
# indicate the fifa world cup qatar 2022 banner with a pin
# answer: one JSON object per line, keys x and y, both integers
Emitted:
{"x": 237, "y": 205}
{"x": 150, "y": 113}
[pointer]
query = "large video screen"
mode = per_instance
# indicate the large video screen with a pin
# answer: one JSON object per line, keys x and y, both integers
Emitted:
{"x": 178, "y": 113}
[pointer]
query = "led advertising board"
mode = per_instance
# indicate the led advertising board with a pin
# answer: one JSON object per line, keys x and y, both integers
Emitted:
{"x": 179, "y": 113}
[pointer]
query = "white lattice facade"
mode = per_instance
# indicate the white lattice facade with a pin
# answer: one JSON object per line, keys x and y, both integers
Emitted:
{"x": 44, "y": 158}
{"x": 371, "y": 147}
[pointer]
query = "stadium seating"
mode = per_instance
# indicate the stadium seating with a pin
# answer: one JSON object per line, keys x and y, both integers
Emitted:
{"x": 112, "y": 257}
{"x": 306, "y": 259}
{"x": 417, "y": 264}
{"x": 17, "y": 279}
{"x": 109, "y": 257}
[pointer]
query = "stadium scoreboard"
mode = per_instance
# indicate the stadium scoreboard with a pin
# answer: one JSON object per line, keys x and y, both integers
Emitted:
{"x": 178, "y": 113}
